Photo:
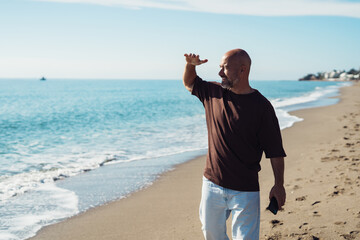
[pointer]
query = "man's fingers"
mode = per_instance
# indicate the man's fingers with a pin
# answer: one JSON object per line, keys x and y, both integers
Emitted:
{"x": 192, "y": 55}
{"x": 271, "y": 195}
{"x": 194, "y": 59}
{"x": 280, "y": 196}
{"x": 281, "y": 202}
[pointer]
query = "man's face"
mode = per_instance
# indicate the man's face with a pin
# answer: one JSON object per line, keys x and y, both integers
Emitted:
{"x": 228, "y": 72}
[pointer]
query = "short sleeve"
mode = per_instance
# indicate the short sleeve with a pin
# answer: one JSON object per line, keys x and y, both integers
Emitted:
{"x": 200, "y": 89}
{"x": 269, "y": 134}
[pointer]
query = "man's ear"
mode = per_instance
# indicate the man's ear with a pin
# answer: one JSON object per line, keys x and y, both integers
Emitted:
{"x": 242, "y": 68}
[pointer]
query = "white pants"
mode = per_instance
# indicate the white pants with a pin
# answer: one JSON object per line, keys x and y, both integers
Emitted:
{"x": 216, "y": 205}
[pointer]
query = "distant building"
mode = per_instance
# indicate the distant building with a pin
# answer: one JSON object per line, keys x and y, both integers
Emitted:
{"x": 334, "y": 75}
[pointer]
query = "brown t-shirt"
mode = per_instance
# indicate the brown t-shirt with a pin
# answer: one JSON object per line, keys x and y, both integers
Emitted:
{"x": 240, "y": 127}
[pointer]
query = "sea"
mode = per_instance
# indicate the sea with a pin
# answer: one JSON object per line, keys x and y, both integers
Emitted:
{"x": 70, "y": 145}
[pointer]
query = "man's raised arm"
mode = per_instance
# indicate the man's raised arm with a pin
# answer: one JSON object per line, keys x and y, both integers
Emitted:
{"x": 192, "y": 60}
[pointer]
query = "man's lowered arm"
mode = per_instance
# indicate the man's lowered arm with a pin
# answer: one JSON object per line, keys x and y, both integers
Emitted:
{"x": 278, "y": 190}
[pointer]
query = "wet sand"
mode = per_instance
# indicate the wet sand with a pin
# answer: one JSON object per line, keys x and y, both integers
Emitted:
{"x": 322, "y": 182}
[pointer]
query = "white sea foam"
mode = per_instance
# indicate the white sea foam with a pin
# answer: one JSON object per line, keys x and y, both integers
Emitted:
{"x": 312, "y": 96}
{"x": 13, "y": 185}
{"x": 55, "y": 167}
{"x": 157, "y": 154}
{"x": 23, "y": 216}
{"x": 280, "y": 104}
{"x": 285, "y": 119}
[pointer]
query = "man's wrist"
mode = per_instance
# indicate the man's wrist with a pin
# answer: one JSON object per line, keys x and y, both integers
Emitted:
{"x": 190, "y": 66}
{"x": 279, "y": 183}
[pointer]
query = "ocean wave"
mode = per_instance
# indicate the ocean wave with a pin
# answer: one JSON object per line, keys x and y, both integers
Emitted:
{"x": 35, "y": 210}
{"x": 15, "y": 185}
{"x": 285, "y": 119}
{"x": 282, "y": 105}
{"x": 318, "y": 93}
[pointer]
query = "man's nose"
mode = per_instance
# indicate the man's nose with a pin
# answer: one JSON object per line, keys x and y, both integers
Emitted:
{"x": 221, "y": 73}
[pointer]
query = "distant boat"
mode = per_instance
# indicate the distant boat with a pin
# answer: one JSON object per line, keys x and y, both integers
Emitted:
{"x": 42, "y": 79}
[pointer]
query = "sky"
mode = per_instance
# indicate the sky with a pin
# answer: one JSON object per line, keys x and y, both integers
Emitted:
{"x": 146, "y": 39}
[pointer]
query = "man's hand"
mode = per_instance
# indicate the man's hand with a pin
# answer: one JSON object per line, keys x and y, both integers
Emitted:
{"x": 194, "y": 59}
{"x": 278, "y": 191}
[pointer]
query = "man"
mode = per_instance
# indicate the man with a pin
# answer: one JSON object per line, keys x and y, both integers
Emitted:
{"x": 241, "y": 126}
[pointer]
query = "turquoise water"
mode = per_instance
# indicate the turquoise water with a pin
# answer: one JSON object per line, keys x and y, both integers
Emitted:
{"x": 63, "y": 141}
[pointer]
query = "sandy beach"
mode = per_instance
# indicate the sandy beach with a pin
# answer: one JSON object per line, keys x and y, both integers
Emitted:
{"x": 322, "y": 181}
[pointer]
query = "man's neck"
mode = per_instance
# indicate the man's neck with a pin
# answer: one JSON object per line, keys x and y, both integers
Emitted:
{"x": 242, "y": 89}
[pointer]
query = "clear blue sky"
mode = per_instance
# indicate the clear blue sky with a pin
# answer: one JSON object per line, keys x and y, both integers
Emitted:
{"x": 119, "y": 39}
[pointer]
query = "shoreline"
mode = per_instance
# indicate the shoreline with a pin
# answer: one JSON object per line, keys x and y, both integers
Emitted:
{"x": 169, "y": 213}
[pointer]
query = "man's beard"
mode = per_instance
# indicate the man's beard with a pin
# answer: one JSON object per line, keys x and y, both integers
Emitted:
{"x": 226, "y": 83}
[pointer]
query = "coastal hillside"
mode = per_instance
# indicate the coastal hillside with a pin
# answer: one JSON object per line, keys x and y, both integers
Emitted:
{"x": 334, "y": 75}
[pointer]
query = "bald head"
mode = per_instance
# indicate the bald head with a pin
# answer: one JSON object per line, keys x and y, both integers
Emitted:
{"x": 239, "y": 56}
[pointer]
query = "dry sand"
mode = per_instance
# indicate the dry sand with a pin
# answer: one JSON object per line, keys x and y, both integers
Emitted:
{"x": 322, "y": 180}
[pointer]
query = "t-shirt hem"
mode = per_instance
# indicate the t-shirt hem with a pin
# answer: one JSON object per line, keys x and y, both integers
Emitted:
{"x": 231, "y": 187}
{"x": 275, "y": 155}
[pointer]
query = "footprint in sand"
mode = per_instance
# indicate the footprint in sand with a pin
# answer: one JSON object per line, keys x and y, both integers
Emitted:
{"x": 303, "y": 198}
{"x": 340, "y": 223}
{"x": 316, "y": 214}
{"x": 276, "y": 223}
{"x": 337, "y": 191}
{"x": 304, "y": 224}
{"x": 276, "y": 236}
{"x": 326, "y": 159}
{"x": 298, "y": 234}
{"x": 351, "y": 235}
